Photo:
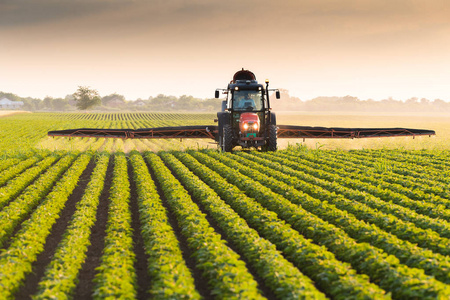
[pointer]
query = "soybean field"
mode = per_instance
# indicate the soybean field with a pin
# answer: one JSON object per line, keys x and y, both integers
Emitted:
{"x": 100, "y": 218}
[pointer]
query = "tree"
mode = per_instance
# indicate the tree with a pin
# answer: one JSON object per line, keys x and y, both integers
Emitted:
{"x": 48, "y": 102}
{"x": 86, "y": 98}
{"x": 112, "y": 97}
{"x": 188, "y": 102}
{"x": 60, "y": 104}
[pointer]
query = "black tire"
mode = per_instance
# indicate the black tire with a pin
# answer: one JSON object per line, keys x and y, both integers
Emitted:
{"x": 227, "y": 136}
{"x": 272, "y": 141}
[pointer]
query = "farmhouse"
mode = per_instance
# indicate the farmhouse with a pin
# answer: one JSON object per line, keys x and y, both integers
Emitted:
{"x": 5, "y": 103}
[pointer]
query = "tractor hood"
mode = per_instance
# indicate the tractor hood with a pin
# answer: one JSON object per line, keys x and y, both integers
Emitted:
{"x": 249, "y": 122}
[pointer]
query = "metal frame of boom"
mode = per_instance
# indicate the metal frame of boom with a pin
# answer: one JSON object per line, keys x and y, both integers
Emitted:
{"x": 210, "y": 132}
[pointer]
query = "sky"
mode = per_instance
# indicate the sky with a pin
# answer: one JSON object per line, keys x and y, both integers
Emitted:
{"x": 370, "y": 49}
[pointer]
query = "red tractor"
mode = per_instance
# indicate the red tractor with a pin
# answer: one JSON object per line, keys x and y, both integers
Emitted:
{"x": 246, "y": 119}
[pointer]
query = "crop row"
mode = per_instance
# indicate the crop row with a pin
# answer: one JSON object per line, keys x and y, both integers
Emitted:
{"x": 226, "y": 274}
{"x": 389, "y": 180}
{"x": 23, "y": 132}
{"x": 19, "y": 208}
{"x": 421, "y": 187}
{"x": 396, "y": 164}
{"x": 283, "y": 279}
{"x": 18, "y": 183}
{"x": 170, "y": 277}
{"x": 16, "y": 169}
{"x": 428, "y": 161}
{"x": 59, "y": 282}
{"x": 116, "y": 277}
{"x": 434, "y": 264}
{"x": 125, "y": 117}
{"x": 332, "y": 276}
{"x": 16, "y": 261}
{"x": 251, "y": 225}
{"x": 384, "y": 270}
{"x": 357, "y": 190}
{"x": 8, "y": 162}
{"x": 355, "y": 201}
{"x": 324, "y": 172}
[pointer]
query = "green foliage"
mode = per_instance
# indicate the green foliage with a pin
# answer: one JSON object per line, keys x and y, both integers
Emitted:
{"x": 21, "y": 181}
{"x": 370, "y": 224}
{"x": 384, "y": 270}
{"x": 330, "y": 275}
{"x": 226, "y": 274}
{"x": 59, "y": 283}
{"x": 19, "y": 208}
{"x": 170, "y": 277}
{"x": 351, "y": 215}
{"x": 86, "y": 98}
{"x": 16, "y": 261}
{"x": 116, "y": 277}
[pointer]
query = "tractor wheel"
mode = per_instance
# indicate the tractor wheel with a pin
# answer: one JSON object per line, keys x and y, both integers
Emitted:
{"x": 272, "y": 141}
{"x": 227, "y": 142}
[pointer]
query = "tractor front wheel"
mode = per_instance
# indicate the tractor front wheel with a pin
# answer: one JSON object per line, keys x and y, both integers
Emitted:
{"x": 227, "y": 142}
{"x": 272, "y": 141}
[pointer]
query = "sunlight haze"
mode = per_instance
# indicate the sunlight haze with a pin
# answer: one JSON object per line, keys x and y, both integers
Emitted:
{"x": 366, "y": 49}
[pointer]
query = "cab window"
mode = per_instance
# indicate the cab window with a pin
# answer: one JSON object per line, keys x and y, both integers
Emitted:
{"x": 247, "y": 100}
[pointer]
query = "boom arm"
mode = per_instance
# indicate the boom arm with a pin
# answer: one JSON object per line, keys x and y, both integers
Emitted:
{"x": 284, "y": 131}
{"x": 289, "y": 131}
{"x": 143, "y": 133}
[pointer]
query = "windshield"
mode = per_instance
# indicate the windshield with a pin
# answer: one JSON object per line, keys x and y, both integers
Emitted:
{"x": 248, "y": 100}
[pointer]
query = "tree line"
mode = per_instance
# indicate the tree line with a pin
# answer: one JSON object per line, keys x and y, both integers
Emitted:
{"x": 86, "y": 98}
{"x": 350, "y": 103}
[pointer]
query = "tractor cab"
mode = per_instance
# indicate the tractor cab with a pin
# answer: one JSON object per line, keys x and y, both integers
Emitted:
{"x": 247, "y": 100}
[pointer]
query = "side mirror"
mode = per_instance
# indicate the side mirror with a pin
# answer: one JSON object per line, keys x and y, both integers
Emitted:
{"x": 277, "y": 94}
{"x": 217, "y": 94}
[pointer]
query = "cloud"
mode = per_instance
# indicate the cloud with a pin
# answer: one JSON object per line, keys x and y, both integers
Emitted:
{"x": 147, "y": 40}
{"x": 15, "y": 13}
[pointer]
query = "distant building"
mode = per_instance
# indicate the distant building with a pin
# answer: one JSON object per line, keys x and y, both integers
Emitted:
{"x": 5, "y": 103}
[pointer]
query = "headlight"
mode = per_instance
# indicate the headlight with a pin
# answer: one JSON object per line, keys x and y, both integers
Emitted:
{"x": 255, "y": 126}
{"x": 245, "y": 126}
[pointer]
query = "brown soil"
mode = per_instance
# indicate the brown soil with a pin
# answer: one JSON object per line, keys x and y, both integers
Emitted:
{"x": 266, "y": 292}
{"x": 87, "y": 273}
{"x": 19, "y": 227}
{"x": 30, "y": 285}
{"x": 140, "y": 264}
{"x": 199, "y": 281}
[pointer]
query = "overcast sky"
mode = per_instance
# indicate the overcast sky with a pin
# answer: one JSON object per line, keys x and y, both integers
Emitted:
{"x": 139, "y": 48}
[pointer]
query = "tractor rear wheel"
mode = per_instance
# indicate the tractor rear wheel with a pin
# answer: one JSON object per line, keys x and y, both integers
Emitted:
{"x": 272, "y": 141}
{"x": 227, "y": 142}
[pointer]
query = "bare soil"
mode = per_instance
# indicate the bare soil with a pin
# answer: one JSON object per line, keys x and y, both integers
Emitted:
{"x": 30, "y": 285}
{"x": 87, "y": 273}
{"x": 140, "y": 264}
{"x": 261, "y": 285}
{"x": 199, "y": 281}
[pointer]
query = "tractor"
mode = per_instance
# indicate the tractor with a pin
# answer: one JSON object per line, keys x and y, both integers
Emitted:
{"x": 246, "y": 118}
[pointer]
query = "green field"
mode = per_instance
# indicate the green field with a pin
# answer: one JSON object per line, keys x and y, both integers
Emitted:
{"x": 103, "y": 218}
